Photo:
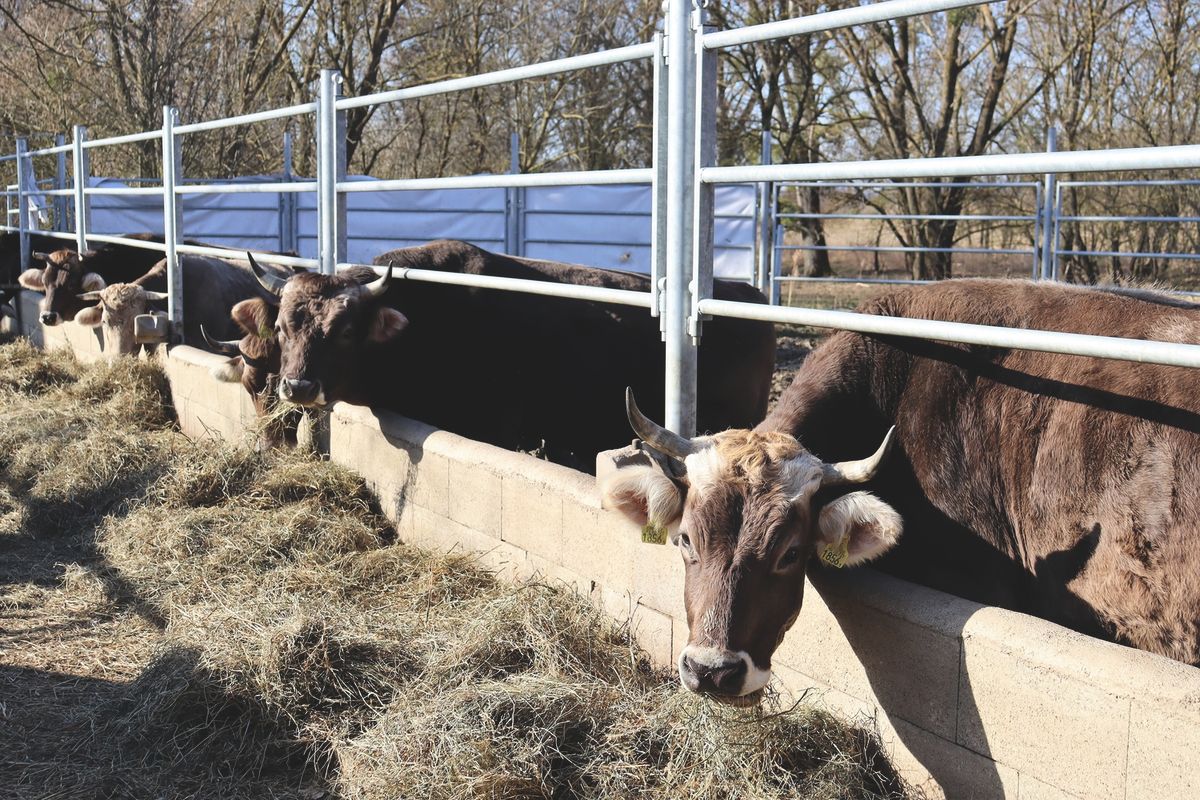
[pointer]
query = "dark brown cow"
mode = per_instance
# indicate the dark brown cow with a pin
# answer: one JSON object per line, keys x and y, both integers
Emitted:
{"x": 515, "y": 370}
{"x": 10, "y": 253}
{"x": 255, "y": 365}
{"x": 1058, "y": 485}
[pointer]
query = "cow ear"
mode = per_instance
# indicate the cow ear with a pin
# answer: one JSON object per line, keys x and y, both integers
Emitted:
{"x": 256, "y": 317}
{"x": 91, "y": 316}
{"x": 92, "y": 282}
{"x": 858, "y": 525}
{"x": 387, "y": 325}
{"x": 644, "y": 494}
{"x": 32, "y": 279}
{"x": 230, "y": 371}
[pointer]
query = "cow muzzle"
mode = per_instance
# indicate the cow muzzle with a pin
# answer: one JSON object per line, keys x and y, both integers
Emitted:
{"x": 50, "y": 318}
{"x": 302, "y": 393}
{"x": 723, "y": 675}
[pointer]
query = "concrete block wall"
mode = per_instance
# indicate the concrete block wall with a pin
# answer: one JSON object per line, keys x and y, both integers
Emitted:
{"x": 971, "y": 701}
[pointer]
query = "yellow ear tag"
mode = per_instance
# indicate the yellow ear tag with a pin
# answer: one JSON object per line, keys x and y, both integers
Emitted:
{"x": 835, "y": 555}
{"x": 653, "y": 533}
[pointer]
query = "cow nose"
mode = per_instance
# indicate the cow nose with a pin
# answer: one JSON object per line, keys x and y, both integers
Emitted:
{"x": 49, "y": 318}
{"x": 299, "y": 392}
{"x": 724, "y": 674}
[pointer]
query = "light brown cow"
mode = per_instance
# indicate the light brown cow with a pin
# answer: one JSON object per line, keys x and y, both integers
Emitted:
{"x": 1056, "y": 485}
{"x": 739, "y": 505}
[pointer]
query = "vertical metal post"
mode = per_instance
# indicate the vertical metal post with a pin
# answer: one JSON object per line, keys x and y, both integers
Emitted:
{"x": 1036, "y": 267}
{"x": 1048, "y": 226}
{"x": 80, "y": 170}
{"x": 1055, "y": 215}
{"x": 22, "y": 201}
{"x": 287, "y": 200}
{"x": 512, "y": 200}
{"x": 60, "y": 183}
{"x": 705, "y": 144}
{"x": 680, "y": 348}
{"x": 331, "y": 168}
{"x": 172, "y": 173}
{"x": 764, "y": 212}
{"x": 658, "y": 183}
{"x": 776, "y": 253}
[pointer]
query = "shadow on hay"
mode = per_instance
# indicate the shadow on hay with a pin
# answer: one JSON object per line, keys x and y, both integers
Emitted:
{"x": 173, "y": 731}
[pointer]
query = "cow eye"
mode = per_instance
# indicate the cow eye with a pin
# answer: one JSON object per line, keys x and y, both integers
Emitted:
{"x": 685, "y": 544}
{"x": 789, "y": 558}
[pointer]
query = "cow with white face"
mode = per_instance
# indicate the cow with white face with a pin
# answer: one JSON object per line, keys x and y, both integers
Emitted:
{"x": 748, "y": 511}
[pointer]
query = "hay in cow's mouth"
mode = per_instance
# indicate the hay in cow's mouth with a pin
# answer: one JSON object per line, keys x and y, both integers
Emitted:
{"x": 751, "y": 700}
{"x": 282, "y": 643}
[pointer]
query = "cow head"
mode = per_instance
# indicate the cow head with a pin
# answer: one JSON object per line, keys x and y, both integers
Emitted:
{"x": 62, "y": 277}
{"x": 740, "y": 506}
{"x": 255, "y": 362}
{"x": 322, "y": 327}
{"x": 117, "y": 307}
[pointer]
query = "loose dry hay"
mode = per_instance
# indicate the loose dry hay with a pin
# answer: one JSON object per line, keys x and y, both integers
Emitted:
{"x": 308, "y": 652}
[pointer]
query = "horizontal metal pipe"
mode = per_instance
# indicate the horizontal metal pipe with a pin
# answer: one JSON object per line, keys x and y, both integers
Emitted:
{"x": 1133, "y": 218}
{"x": 832, "y": 20}
{"x": 980, "y": 217}
{"x": 49, "y": 151}
{"x": 58, "y": 192}
{"x": 124, "y": 190}
{"x": 138, "y": 243}
{"x": 247, "y": 188}
{"x": 832, "y": 279}
{"x": 853, "y": 248}
{"x": 830, "y": 184}
{"x": 1150, "y": 352}
{"x": 584, "y": 178}
{"x": 1148, "y": 182}
{"x": 50, "y": 234}
{"x": 545, "y": 288}
{"x": 1108, "y": 253}
{"x": 1115, "y": 160}
{"x": 126, "y": 139}
{"x": 246, "y": 119}
{"x": 240, "y": 255}
{"x": 616, "y": 55}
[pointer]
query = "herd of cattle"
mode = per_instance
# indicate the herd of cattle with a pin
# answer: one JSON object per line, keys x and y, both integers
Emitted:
{"x": 1062, "y": 486}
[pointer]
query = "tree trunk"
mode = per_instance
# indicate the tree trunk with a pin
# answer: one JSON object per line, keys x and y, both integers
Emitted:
{"x": 814, "y": 263}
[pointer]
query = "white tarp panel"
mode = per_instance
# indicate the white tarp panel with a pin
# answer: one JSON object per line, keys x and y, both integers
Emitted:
{"x": 601, "y": 226}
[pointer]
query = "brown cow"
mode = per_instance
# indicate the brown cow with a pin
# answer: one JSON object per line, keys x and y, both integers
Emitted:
{"x": 1058, "y": 485}
{"x": 65, "y": 274}
{"x": 543, "y": 363}
{"x": 255, "y": 365}
{"x": 218, "y": 284}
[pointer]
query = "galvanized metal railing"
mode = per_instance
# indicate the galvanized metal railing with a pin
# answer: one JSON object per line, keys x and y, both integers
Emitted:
{"x": 683, "y": 174}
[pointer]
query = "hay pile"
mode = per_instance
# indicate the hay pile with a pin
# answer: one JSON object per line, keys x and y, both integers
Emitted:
{"x": 305, "y": 653}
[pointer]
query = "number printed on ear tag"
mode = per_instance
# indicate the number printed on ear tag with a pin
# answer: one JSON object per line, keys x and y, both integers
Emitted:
{"x": 835, "y": 555}
{"x": 653, "y": 533}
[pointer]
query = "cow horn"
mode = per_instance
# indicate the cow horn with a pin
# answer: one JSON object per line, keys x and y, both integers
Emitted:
{"x": 229, "y": 348}
{"x": 377, "y": 287}
{"x": 655, "y": 435}
{"x": 859, "y": 471}
{"x": 272, "y": 283}
{"x": 89, "y": 297}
